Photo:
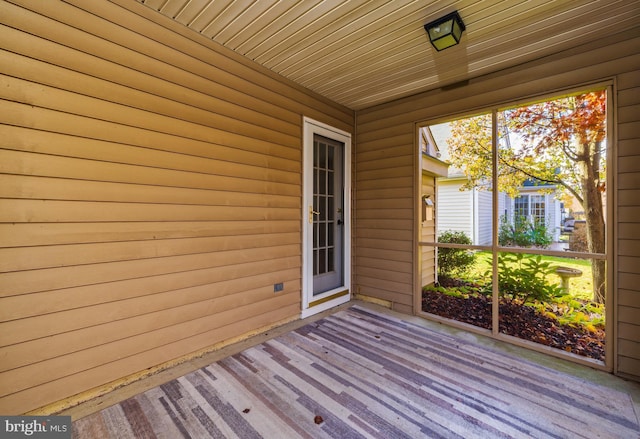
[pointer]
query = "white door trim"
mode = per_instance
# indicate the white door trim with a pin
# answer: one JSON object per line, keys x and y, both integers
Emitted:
{"x": 315, "y": 304}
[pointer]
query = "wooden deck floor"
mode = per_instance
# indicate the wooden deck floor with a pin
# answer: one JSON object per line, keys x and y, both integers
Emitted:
{"x": 364, "y": 373}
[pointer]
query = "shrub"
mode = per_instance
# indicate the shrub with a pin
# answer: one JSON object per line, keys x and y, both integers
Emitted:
{"x": 523, "y": 233}
{"x": 454, "y": 261}
{"x": 525, "y": 277}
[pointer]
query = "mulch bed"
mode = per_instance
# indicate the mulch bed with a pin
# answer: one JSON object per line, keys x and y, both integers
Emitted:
{"x": 517, "y": 320}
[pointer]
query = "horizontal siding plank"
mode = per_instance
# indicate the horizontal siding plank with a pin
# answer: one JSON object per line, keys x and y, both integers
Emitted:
{"x": 84, "y": 127}
{"x": 381, "y": 253}
{"x": 629, "y": 281}
{"x": 386, "y": 173}
{"x": 94, "y": 326}
{"x": 628, "y": 197}
{"x": 628, "y": 147}
{"x": 384, "y": 224}
{"x": 391, "y": 162}
{"x": 630, "y": 349}
{"x": 628, "y": 96}
{"x": 49, "y": 188}
{"x": 379, "y": 156}
{"x": 384, "y": 214}
{"x": 39, "y": 211}
{"x": 382, "y": 193}
{"x": 629, "y": 331}
{"x": 629, "y": 180}
{"x": 31, "y": 281}
{"x": 629, "y": 214}
{"x": 629, "y": 298}
{"x": 38, "y": 234}
{"x": 396, "y": 235}
{"x": 374, "y": 288}
{"x": 379, "y": 204}
{"x": 181, "y": 155}
{"x": 22, "y": 378}
{"x": 389, "y": 244}
{"x": 39, "y": 95}
{"x": 398, "y": 182}
{"x": 629, "y": 113}
{"x": 629, "y": 263}
{"x": 627, "y": 314}
{"x": 628, "y": 231}
{"x": 177, "y": 101}
{"x": 627, "y": 80}
{"x": 18, "y": 163}
{"x": 384, "y": 264}
{"x": 224, "y": 278}
{"x": 117, "y": 368}
{"x": 387, "y": 276}
{"x": 629, "y": 366}
{"x": 629, "y": 248}
{"x": 629, "y": 130}
{"x": 33, "y": 258}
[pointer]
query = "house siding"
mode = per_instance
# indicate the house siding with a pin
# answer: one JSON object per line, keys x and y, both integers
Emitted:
{"x": 428, "y": 233}
{"x": 150, "y": 195}
{"x": 485, "y": 208}
{"x": 628, "y": 225}
{"x": 614, "y": 57}
{"x": 454, "y": 208}
{"x": 384, "y": 215}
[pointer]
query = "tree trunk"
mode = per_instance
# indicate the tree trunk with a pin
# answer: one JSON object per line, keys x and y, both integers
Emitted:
{"x": 593, "y": 209}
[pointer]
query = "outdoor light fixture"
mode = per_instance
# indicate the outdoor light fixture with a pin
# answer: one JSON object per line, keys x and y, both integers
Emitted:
{"x": 446, "y": 31}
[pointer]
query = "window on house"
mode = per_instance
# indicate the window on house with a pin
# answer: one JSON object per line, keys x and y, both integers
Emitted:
{"x": 530, "y": 279}
{"x": 531, "y": 207}
{"x": 537, "y": 213}
{"x": 521, "y": 206}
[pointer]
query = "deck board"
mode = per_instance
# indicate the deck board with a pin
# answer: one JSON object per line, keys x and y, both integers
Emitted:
{"x": 368, "y": 374}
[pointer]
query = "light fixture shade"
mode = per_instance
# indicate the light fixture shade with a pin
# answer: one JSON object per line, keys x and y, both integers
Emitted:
{"x": 446, "y": 31}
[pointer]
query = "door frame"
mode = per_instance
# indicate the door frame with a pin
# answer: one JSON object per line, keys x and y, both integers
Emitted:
{"x": 314, "y": 304}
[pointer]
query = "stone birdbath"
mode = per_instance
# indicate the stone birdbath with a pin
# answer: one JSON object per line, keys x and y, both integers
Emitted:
{"x": 566, "y": 274}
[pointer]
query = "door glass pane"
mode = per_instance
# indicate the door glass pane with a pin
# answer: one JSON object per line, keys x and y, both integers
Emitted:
{"x": 328, "y": 175}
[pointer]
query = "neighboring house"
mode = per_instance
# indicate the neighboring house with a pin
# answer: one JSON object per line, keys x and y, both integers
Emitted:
{"x": 469, "y": 211}
{"x": 536, "y": 202}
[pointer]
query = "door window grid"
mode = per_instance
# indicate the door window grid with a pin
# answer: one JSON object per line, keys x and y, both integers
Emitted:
{"x": 323, "y": 204}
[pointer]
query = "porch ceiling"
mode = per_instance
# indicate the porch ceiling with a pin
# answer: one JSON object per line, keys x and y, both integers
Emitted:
{"x": 364, "y": 52}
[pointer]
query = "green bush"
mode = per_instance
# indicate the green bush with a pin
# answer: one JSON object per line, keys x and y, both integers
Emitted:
{"x": 523, "y": 233}
{"x": 525, "y": 277}
{"x": 454, "y": 261}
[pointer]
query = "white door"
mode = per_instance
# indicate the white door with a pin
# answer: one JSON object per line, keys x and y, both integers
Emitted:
{"x": 326, "y": 214}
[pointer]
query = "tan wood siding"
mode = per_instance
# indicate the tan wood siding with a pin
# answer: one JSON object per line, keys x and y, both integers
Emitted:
{"x": 385, "y": 210}
{"x": 381, "y": 128}
{"x": 428, "y": 232}
{"x": 628, "y": 167}
{"x": 150, "y": 187}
